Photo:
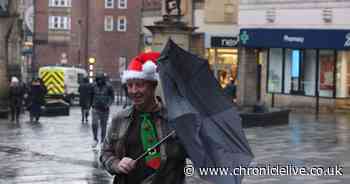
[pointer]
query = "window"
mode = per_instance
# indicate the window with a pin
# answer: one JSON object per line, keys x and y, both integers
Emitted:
{"x": 122, "y": 4}
{"x": 60, "y": 3}
{"x": 59, "y": 23}
{"x": 309, "y": 72}
{"x": 299, "y": 72}
{"x": 109, "y": 3}
{"x": 343, "y": 74}
{"x": 296, "y": 73}
{"x": 122, "y": 24}
{"x": 108, "y": 23}
{"x": 326, "y": 73}
{"x": 275, "y": 70}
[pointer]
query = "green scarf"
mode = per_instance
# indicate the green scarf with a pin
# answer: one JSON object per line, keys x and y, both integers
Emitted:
{"x": 148, "y": 139}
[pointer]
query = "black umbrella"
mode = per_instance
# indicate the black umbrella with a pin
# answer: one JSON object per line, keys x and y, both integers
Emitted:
{"x": 206, "y": 122}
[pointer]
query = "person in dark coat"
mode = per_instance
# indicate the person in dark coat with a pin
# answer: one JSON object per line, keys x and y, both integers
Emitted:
{"x": 16, "y": 95}
{"x": 134, "y": 130}
{"x": 85, "y": 92}
{"x": 36, "y": 95}
{"x": 102, "y": 98}
{"x": 230, "y": 90}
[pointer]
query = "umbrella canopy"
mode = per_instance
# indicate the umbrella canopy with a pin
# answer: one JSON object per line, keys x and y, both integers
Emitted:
{"x": 205, "y": 120}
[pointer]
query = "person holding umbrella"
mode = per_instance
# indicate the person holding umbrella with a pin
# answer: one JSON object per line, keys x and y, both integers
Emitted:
{"x": 208, "y": 127}
{"x": 135, "y": 130}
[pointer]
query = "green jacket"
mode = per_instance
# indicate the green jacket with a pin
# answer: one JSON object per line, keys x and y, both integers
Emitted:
{"x": 173, "y": 155}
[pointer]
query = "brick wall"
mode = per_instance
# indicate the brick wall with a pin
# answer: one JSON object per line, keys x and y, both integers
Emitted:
{"x": 87, "y": 37}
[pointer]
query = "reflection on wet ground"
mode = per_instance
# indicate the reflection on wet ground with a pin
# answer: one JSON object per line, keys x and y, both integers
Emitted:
{"x": 57, "y": 150}
{"x": 308, "y": 141}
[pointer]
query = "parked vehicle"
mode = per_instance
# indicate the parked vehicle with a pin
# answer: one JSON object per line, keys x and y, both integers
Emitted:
{"x": 62, "y": 82}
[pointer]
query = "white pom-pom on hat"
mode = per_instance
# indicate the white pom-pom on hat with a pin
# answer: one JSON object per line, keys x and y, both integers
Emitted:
{"x": 149, "y": 67}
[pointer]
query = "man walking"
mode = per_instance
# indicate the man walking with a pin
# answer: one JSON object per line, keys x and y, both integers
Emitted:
{"x": 102, "y": 99}
{"x": 16, "y": 95}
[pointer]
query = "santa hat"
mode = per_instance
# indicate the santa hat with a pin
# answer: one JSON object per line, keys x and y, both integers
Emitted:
{"x": 143, "y": 66}
{"x": 14, "y": 80}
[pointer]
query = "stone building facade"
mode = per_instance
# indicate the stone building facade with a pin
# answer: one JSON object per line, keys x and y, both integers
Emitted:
{"x": 215, "y": 38}
{"x": 10, "y": 43}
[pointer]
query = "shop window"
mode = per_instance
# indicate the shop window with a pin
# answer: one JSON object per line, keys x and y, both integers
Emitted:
{"x": 292, "y": 71}
{"x": 224, "y": 64}
{"x": 227, "y": 65}
{"x": 299, "y": 71}
{"x": 343, "y": 74}
{"x": 275, "y": 70}
{"x": 326, "y": 73}
{"x": 309, "y": 72}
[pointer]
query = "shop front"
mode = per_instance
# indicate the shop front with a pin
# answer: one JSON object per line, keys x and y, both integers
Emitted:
{"x": 222, "y": 56}
{"x": 302, "y": 67}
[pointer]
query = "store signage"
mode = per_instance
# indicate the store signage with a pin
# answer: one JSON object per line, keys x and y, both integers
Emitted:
{"x": 295, "y": 38}
{"x": 225, "y": 42}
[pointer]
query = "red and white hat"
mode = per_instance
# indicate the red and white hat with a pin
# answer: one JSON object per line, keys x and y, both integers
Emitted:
{"x": 143, "y": 66}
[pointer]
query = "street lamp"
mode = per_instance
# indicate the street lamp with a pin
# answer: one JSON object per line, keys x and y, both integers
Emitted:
{"x": 92, "y": 62}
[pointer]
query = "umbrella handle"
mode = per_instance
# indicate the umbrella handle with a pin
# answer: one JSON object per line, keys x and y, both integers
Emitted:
{"x": 143, "y": 155}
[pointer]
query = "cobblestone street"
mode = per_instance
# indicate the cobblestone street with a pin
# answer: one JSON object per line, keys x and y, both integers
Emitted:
{"x": 58, "y": 150}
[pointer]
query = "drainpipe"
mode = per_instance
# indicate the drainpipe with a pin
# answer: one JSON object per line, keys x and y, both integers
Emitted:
{"x": 87, "y": 33}
{"x": 32, "y": 67}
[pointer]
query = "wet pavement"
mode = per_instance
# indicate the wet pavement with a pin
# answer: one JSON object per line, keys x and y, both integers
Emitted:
{"x": 58, "y": 150}
{"x": 307, "y": 141}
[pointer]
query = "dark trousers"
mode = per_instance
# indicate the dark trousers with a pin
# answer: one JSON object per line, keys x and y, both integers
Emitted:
{"x": 99, "y": 119}
{"x": 35, "y": 112}
{"x": 15, "y": 112}
{"x": 84, "y": 114}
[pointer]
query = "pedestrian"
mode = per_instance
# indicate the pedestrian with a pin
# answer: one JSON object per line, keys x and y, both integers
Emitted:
{"x": 135, "y": 129}
{"x": 36, "y": 97}
{"x": 230, "y": 90}
{"x": 85, "y": 91}
{"x": 16, "y": 96}
{"x": 102, "y": 98}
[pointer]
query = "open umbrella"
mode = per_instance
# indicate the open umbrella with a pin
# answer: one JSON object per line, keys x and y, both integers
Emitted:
{"x": 206, "y": 122}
